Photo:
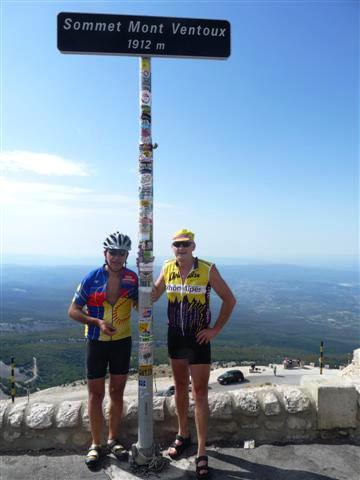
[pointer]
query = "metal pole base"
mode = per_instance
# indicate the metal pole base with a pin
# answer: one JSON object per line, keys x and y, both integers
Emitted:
{"x": 145, "y": 461}
{"x": 142, "y": 456}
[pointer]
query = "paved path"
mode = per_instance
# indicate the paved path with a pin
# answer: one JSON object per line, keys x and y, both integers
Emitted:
{"x": 266, "y": 462}
{"x": 266, "y": 375}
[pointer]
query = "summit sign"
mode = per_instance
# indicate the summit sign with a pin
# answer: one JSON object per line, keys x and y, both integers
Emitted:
{"x": 92, "y": 33}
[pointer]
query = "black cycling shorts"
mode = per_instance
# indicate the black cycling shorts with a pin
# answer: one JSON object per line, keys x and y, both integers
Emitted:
{"x": 187, "y": 348}
{"x": 100, "y": 354}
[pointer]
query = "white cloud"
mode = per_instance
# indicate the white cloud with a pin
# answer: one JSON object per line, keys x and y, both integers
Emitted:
{"x": 18, "y": 193}
{"x": 68, "y": 219}
{"x": 46, "y": 195}
{"x": 13, "y": 193}
{"x": 113, "y": 199}
{"x": 164, "y": 205}
{"x": 40, "y": 163}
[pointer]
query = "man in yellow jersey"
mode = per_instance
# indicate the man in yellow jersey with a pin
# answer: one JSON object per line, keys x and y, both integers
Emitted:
{"x": 107, "y": 293}
{"x": 187, "y": 281}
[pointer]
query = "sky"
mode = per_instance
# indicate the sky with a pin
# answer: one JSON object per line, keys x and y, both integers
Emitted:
{"x": 258, "y": 154}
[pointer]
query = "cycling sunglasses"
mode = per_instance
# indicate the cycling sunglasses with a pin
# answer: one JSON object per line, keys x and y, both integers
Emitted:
{"x": 114, "y": 253}
{"x": 185, "y": 244}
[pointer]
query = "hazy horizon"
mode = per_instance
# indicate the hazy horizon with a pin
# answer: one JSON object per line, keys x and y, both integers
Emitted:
{"x": 336, "y": 262}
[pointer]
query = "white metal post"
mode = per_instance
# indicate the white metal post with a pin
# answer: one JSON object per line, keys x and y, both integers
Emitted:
{"x": 143, "y": 451}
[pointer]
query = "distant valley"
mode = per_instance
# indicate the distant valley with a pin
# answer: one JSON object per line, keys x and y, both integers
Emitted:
{"x": 282, "y": 310}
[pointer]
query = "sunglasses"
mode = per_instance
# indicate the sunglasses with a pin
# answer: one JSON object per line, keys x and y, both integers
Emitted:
{"x": 184, "y": 244}
{"x": 114, "y": 253}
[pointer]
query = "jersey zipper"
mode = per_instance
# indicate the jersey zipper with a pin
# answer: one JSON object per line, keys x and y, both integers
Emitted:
{"x": 181, "y": 306}
{"x": 112, "y": 319}
{"x": 182, "y": 296}
{"x": 112, "y": 306}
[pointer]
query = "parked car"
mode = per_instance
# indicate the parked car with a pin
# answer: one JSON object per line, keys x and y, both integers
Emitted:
{"x": 170, "y": 391}
{"x": 291, "y": 362}
{"x": 231, "y": 376}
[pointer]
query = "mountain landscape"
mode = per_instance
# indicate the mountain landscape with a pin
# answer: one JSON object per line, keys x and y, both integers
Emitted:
{"x": 282, "y": 310}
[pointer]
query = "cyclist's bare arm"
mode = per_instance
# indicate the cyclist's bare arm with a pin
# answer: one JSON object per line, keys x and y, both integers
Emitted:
{"x": 158, "y": 288}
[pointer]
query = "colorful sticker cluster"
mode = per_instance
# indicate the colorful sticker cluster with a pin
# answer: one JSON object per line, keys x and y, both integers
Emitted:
{"x": 145, "y": 255}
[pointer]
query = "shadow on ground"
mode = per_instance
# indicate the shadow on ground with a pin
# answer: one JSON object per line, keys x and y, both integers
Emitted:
{"x": 247, "y": 470}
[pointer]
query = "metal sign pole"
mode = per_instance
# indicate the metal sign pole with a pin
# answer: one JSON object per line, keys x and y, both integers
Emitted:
{"x": 143, "y": 451}
{"x": 321, "y": 357}
{"x": 144, "y": 37}
{"x": 12, "y": 380}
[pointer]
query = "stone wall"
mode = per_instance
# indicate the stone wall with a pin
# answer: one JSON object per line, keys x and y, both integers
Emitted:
{"x": 319, "y": 408}
{"x": 265, "y": 414}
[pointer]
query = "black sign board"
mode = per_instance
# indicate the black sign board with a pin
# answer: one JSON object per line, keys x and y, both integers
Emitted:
{"x": 143, "y": 35}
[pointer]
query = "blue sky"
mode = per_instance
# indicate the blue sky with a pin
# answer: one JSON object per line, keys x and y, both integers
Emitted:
{"x": 257, "y": 154}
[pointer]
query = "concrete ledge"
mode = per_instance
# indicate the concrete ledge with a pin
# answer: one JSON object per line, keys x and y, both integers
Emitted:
{"x": 336, "y": 403}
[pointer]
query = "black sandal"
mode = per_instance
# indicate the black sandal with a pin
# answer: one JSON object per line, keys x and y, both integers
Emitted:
{"x": 185, "y": 443}
{"x": 202, "y": 468}
{"x": 93, "y": 456}
{"x": 118, "y": 450}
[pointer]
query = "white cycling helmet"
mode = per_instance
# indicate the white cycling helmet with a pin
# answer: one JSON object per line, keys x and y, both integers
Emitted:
{"x": 117, "y": 241}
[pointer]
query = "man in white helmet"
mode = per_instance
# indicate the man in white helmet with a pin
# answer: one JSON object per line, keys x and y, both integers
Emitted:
{"x": 103, "y": 302}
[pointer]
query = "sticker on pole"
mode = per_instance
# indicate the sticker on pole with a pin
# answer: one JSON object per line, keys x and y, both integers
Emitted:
{"x": 146, "y": 337}
{"x": 144, "y": 328}
{"x": 97, "y": 33}
{"x": 142, "y": 383}
{"x": 145, "y": 370}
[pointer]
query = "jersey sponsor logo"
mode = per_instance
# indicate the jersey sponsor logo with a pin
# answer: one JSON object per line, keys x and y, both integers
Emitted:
{"x": 173, "y": 276}
{"x": 129, "y": 278}
{"x": 193, "y": 275}
{"x": 186, "y": 289}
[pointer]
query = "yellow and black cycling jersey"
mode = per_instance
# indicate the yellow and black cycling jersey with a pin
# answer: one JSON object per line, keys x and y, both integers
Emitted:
{"x": 188, "y": 301}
